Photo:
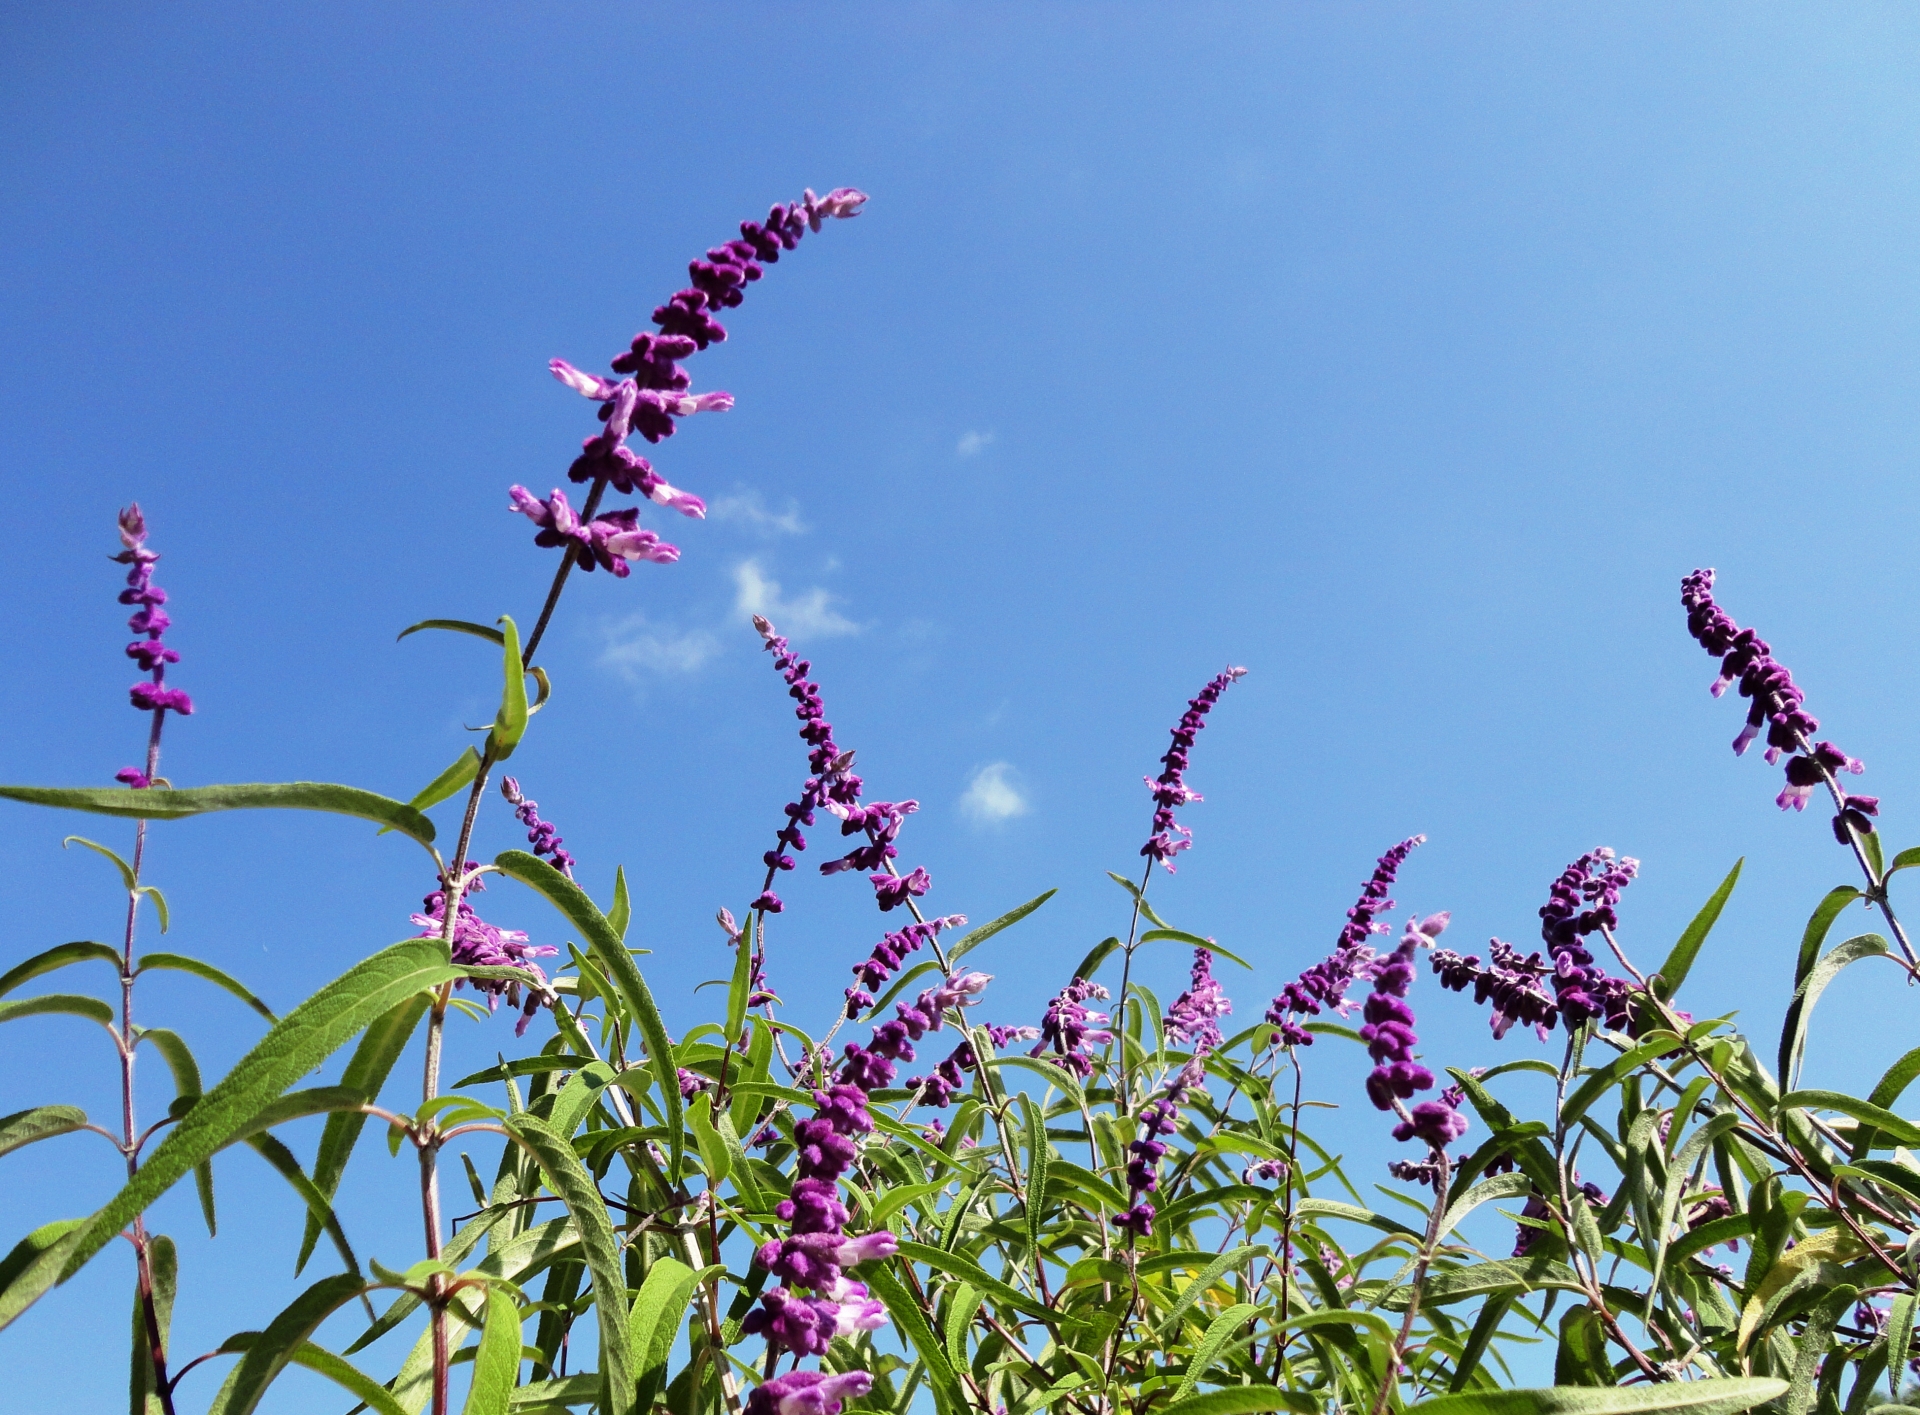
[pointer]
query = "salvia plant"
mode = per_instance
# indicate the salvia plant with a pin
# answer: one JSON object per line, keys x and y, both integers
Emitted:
{"x": 1113, "y": 1208}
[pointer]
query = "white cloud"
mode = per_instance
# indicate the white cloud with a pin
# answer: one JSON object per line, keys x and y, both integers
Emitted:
{"x": 636, "y": 648}
{"x": 808, "y": 615}
{"x": 746, "y": 508}
{"x": 971, "y": 444}
{"x": 992, "y": 796}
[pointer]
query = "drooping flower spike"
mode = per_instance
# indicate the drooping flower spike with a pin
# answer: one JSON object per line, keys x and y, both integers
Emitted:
{"x": 1777, "y": 709}
{"x": 541, "y": 835}
{"x": 1390, "y": 1040}
{"x": 150, "y": 620}
{"x": 1170, "y": 789}
{"x": 1325, "y": 984}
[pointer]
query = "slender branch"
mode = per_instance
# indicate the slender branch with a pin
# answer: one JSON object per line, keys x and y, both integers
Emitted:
{"x": 1397, "y": 1355}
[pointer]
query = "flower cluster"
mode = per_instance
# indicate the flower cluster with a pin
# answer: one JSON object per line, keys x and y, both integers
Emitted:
{"x": 1510, "y": 982}
{"x": 149, "y": 619}
{"x": 609, "y": 540}
{"x": 1582, "y": 991}
{"x": 1777, "y": 709}
{"x": 888, "y": 954}
{"x": 478, "y": 944}
{"x": 1158, "y": 1117}
{"x": 656, "y": 389}
{"x": 1390, "y": 1040}
{"x": 1170, "y": 789}
{"x": 1325, "y": 984}
{"x": 1068, "y": 1026}
{"x": 1193, "y": 1018}
{"x": 808, "y": 1393}
{"x": 541, "y": 835}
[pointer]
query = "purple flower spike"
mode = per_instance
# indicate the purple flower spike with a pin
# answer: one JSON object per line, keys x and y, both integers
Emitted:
{"x": 1776, "y": 708}
{"x": 149, "y": 619}
{"x": 541, "y": 835}
{"x": 1068, "y": 1026}
{"x": 1325, "y": 984}
{"x": 1390, "y": 1040}
{"x": 1192, "y": 1018}
{"x": 1170, "y": 789}
{"x": 1158, "y": 1117}
{"x": 1583, "y": 992}
{"x": 478, "y": 944}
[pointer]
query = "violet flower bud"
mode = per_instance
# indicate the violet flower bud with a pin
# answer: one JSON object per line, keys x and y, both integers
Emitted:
{"x": 1170, "y": 789}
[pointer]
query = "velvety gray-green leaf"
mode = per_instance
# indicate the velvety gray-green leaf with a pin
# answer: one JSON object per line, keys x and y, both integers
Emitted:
{"x": 206, "y": 972}
{"x": 59, "y": 956}
{"x": 42, "y": 1122}
{"x": 496, "y": 1365}
{"x": 165, "y": 803}
{"x": 58, "y": 1004}
{"x": 1679, "y": 962}
{"x": 269, "y": 1352}
{"x": 1710, "y": 1397}
{"x": 973, "y": 938}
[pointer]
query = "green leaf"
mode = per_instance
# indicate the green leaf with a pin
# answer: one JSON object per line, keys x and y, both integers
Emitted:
{"x": 713, "y": 1154}
{"x": 1811, "y": 940}
{"x": 1038, "y": 1154}
{"x": 1209, "y": 1275}
{"x": 1903, "y": 1132}
{"x": 1813, "y": 1346}
{"x": 496, "y": 1365}
{"x": 455, "y": 626}
{"x": 911, "y": 1319}
{"x": 58, "y": 1003}
{"x": 611, "y": 954}
{"x": 308, "y": 1035}
{"x": 740, "y": 988}
{"x": 975, "y": 937}
{"x": 163, "y": 1263}
{"x": 179, "y": 963}
{"x": 599, "y": 1245}
{"x": 967, "y": 1270}
{"x": 162, "y": 803}
{"x": 1712, "y": 1397}
{"x": 268, "y": 1352}
{"x": 622, "y": 911}
{"x": 1492, "y": 1312}
{"x": 175, "y": 1052}
{"x": 465, "y": 767}
{"x": 1192, "y": 941}
{"x": 1606, "y": 1077}
{"x": 1501, "y": 1186}
{"x": 1793, "y": 1036}
{"x": 510, "y": 723}
{"x": 1219, "y": 1331}
{"x": 1679, "y": 962}
{"x": 1581, "y": 1359}
{"x": 1096, "y": 955}
{"x": 59, "y": 956}
{"x": 1899, "y": 1337}
{"x": 159, "y": 903}
{"x": 296, "y": 1105}
{"x": 336, "y": 1369}
{"x": 43, "y": 1122}
{"x": 318, "y": 1209}
{"x": 655, "y": 1322}
{"x": 127, "y": 876}
{"x": 1244, "y": 1400}
{"x": 386, "y": 1037}
{"x": 33, "y": 1266}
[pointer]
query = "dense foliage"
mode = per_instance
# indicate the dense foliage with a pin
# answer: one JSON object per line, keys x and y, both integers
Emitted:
{"x": 1118, "y": 1208}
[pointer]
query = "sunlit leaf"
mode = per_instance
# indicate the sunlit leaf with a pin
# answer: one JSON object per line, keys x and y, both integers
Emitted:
{"x": 165, "y": 803}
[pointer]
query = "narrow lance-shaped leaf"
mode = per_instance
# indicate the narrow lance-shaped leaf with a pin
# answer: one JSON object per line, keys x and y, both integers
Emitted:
{"x": 975, "y": 937}
{"x": 268, "y": 1352}
{"x": 1679, "y": 962}
{"x": 163, "y": 1264}
{"x": 59, "y": 956}
{"x": 305, "y": 1038}
{"x": 43, "y": 1122}
{"x": 178, "y": 1055}
{"x": 612, "y": 956}
{"x": 206, "y": 972}
{"x": 598, "y": 1245}
{"x": 908, "y": 1316}
{"x": 33, "y": 1266}
{"x": 510, "y": 723}
{"x": 496, "y": 1365}
{"x": 1793, "y": 1036}
{"x": 386, "y": 1037}
{"x": 1711, "y": 1397}
{"x": 167, "y": 803}
{"x": 1219, "y": 1331}
{"x": 655, "y": 1321}
{"x": 127, "y": 876}
{"x": 58, "y": 1004}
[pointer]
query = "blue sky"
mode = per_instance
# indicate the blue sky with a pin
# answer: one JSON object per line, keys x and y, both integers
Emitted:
{"x": 1408, "y": 355}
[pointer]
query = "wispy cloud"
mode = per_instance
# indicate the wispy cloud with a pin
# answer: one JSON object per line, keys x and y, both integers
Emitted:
{"x": 810, "y": 614}
{"x": 635, "y": 648}
{"x": 972, "y": 444}
{"x": 993, "y": 795}
{"x": 746, "y": 508}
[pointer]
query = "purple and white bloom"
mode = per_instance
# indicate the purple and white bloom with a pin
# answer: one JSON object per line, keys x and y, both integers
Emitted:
{"x": 1390, "y": 1040}
{"x": 1068, "y": 1025}
{"x": 1170, "y": 789}
{"x": 609, "y": 540}
{"x": 1194, "y": 1015}
{"x": 808, "y": 1393}
{"x": 478, "y": 944}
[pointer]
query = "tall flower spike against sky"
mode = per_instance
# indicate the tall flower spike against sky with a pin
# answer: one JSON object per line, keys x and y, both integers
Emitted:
{"x": 1326, "y": 983}
{"x": 1170, "y": 789}
{"x": 149, "y": 620}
